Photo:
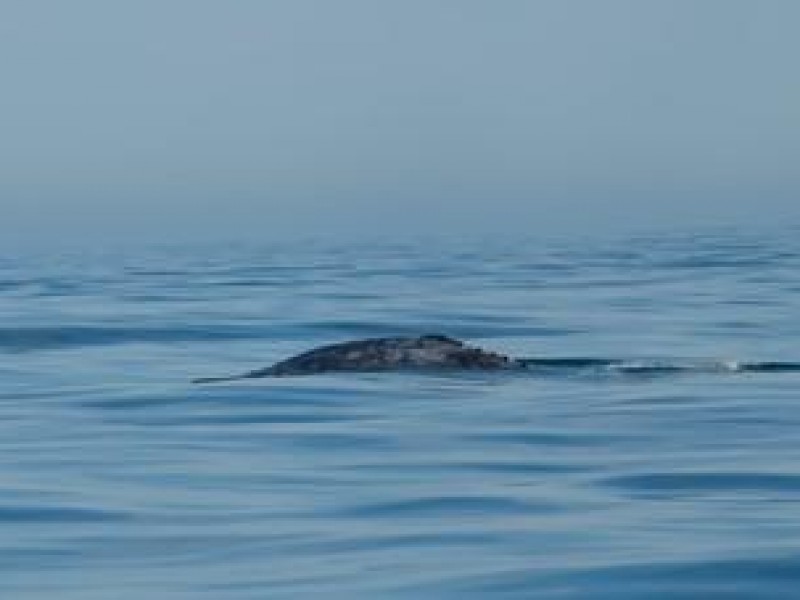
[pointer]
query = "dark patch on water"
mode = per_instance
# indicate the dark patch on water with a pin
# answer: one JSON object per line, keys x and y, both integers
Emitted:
{"x": 768, "y": 577}
{"x": 552, "y": 438}
{"x": 26, "y": 339}
{"x": 708, "y": 482}
{"x": 48, "y": 514}
{"x": 448, "y": 507}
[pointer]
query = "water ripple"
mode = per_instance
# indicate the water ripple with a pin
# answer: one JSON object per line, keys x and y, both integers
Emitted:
{"x": 708, "y": 482}
{"x": 17, "y": 339}
{"x": 448, "y": 507}
{"x": 51, "y": 514}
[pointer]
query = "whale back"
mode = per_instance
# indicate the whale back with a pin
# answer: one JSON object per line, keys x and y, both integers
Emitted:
{"x": 391, "y": 353}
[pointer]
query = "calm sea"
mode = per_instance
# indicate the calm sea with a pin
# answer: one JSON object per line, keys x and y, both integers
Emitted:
{"x": 121, "y": 480}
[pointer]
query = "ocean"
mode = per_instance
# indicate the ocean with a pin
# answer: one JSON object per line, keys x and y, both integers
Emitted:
{"x": 121, "y": 479}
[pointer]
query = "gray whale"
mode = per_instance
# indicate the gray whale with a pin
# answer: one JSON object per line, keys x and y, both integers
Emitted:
{"x": 442, "y": 353}
{"x": 427, "y": 352}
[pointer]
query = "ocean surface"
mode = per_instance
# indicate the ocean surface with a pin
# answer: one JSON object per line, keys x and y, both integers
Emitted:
{"x": 119, "y": 479}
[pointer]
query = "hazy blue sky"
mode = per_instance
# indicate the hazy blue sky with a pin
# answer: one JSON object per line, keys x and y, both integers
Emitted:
{"x": 173, "y": 118}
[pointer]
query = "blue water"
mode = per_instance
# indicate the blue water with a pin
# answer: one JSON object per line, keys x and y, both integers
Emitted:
{"x": 119, "y": 479}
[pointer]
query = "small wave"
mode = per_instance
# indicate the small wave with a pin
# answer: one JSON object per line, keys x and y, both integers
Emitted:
{"x": 765, "y": 576}
{"x": 656, "y": 366}
{"x": 449, "y": 506}
{"x": 725, "y": 366}
{"x": 485, "y": 468}
{"x": 50, "y": 514}
{"x": 769, "y": 367}
{"x": 707, "y": 482}
{"x": 548, "y": 438}
{"x": 241, "y": 419}
{"x": 24, "y": 339}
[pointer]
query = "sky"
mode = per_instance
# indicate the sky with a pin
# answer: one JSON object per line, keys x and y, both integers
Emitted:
{"x": 273, "y": 119}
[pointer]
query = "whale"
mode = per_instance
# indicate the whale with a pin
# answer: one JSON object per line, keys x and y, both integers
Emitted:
{"x": 425, "y": 352}
{"x": 440, "y": 353}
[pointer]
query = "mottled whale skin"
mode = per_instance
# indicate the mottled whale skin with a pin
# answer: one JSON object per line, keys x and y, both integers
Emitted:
{"x": 437, "y": 352}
